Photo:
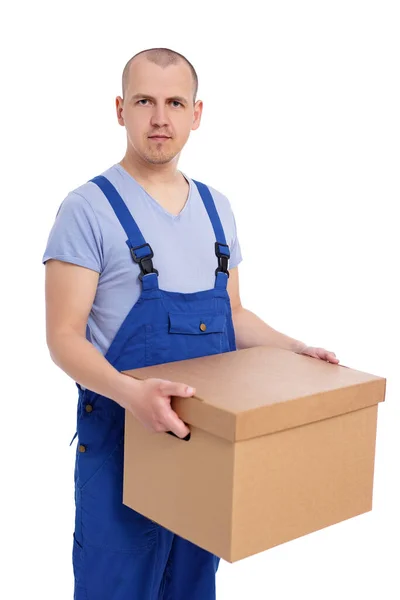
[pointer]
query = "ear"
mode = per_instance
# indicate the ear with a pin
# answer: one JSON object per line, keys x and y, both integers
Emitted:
{"x": 119, "y": 106}
{"x": 198, "y": 111}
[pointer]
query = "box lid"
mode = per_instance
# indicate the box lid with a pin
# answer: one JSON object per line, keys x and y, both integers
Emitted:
{"x": 261, "y": 390}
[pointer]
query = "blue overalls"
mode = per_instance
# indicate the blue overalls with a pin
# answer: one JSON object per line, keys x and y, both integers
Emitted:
{"x": 119, "y": 554}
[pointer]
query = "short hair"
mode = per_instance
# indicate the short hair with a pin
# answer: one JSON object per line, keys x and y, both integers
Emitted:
{"x": 162, "y": 57}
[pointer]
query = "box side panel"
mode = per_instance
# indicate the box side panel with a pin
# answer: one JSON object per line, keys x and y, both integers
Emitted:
{"x": 184, "y": 486}
{"x": 291, "y": 483}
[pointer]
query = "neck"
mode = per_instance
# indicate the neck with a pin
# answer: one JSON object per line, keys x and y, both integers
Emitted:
{"x": 150, "y": 173}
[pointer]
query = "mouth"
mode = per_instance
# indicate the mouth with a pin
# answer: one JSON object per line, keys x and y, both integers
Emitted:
{"x": 159, "y": 138}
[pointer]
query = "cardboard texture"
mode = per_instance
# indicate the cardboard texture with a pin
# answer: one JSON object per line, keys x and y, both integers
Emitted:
{"x": 281, "y": 445}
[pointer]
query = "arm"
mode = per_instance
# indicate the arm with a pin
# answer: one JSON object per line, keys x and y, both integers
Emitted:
{"x": 70, "y": 291}
{"x": 250, "y": 330}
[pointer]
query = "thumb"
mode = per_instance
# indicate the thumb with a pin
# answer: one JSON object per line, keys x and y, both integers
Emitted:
{"x": 173, "y": 388}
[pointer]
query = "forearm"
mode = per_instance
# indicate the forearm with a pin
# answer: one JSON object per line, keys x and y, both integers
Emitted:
{"x": 251, "y": 331}
{"x": 77, "y": 357}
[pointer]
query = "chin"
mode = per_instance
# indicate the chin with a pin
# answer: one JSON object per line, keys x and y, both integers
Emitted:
{"x": 159, "y": 159}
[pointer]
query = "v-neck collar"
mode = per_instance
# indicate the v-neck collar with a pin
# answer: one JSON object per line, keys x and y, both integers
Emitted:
{"x": 154, "y": 201}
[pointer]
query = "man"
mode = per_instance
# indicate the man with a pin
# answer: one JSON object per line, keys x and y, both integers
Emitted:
{"x": 110, "y": 308}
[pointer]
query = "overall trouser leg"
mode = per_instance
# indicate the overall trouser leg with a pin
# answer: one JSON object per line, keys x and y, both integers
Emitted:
{"x": 190, "y": 572}
{"x": 118, "y": 553}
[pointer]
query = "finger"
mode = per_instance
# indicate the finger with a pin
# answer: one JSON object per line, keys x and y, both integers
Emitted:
{"x": 313, "y": 352}
{"x": 332, "y": 357}
{"x": 328, "y": 356}
{"x": 173, "y": 423}
{"x": 172, "y": 388}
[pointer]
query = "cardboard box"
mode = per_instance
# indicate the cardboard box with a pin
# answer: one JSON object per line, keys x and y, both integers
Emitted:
{"x": 281, "y": 445}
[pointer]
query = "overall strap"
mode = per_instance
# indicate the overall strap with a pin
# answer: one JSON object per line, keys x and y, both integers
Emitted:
{"x": 221, "y": 247}
{"x": 141, "y": 251}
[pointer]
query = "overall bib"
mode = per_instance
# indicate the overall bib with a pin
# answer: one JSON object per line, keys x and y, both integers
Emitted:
{"x": 119, "y": 554}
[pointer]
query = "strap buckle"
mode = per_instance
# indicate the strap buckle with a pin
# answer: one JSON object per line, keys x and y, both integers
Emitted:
{"x": 223, "y": 255}
{"x": 145, "y": 263}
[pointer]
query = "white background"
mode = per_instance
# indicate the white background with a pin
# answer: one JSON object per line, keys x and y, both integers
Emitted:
{"x": 301, "y": 131}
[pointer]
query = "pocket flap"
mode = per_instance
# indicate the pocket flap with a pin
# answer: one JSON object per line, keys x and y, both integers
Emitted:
{"x": 196, "y": 323}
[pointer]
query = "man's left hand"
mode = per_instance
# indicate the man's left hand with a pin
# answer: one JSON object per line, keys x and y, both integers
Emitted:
{"x": 320, "y": 353}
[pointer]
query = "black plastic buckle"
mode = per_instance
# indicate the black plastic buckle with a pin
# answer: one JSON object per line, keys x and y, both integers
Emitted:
{"x": 223, "y": 259}
{"x": 145, "y": 263}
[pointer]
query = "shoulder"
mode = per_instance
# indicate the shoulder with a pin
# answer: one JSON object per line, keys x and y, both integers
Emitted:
{"x": 219, "y": 198}
{"x": 226, "y": 214}
{"x": 89, "y": 192}
{"x": 88, "y": 199}
{"x": 221, "y": 201}
{"x": 225, "y": 211}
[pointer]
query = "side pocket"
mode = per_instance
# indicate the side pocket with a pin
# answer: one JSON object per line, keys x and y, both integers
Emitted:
{"x": 78, "y": 568}
{"x": 99, "y": 436}
{"x": 106, "y": 522}
{"x": 90, "y": 467}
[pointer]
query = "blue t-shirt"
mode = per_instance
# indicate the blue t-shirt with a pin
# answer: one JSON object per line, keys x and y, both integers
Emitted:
{"x": 86, "y": 232}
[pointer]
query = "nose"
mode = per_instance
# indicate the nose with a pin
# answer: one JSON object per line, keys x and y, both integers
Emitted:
{"x": 159, "y": 117}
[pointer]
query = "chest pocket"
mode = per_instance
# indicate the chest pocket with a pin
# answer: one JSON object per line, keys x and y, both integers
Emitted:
{"x": 187, "y": 335}
{"x": 196, "y": 324}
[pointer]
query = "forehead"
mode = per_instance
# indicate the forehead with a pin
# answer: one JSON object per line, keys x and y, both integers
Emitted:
{"x": 147, "y": 77}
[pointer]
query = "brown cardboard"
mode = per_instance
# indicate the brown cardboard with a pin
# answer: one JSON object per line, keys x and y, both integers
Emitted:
{"x": 281, "y": 445}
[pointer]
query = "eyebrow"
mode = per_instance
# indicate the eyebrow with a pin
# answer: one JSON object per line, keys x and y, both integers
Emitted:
{"x": 147, "y": 97}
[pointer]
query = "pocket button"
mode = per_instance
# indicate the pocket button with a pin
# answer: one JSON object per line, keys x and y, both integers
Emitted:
{"x": 203, "y": 327}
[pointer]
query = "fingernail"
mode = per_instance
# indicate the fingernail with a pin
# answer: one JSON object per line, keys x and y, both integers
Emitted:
{"x": 189, "y": 390}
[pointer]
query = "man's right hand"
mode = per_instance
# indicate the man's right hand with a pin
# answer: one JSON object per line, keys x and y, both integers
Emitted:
{"x": 150, "y": 403}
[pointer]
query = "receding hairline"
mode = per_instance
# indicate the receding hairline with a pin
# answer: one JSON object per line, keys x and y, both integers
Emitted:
{"x": 162, "y": 57}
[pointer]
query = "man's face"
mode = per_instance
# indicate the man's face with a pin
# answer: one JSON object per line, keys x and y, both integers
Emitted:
{"x": 158, "y": 111}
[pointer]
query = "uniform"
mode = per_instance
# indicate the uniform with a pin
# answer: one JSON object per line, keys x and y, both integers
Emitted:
{"x": 117, "y": 553}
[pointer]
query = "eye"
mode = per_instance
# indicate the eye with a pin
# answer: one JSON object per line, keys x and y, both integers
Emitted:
{"x": 177, "y": 102}
{"x": 142, "y": 100}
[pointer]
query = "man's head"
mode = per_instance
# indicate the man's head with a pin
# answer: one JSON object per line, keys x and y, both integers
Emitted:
{"x": 159, "y": 88}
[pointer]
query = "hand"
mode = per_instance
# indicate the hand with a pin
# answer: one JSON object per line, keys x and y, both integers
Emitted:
{"x": 152, "y": 405}
{"x": 319, "y": 353}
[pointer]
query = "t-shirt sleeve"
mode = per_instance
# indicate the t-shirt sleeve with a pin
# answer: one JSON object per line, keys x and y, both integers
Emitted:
{"x": 75, "y": 236}
{"x": 234, "y": 247}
